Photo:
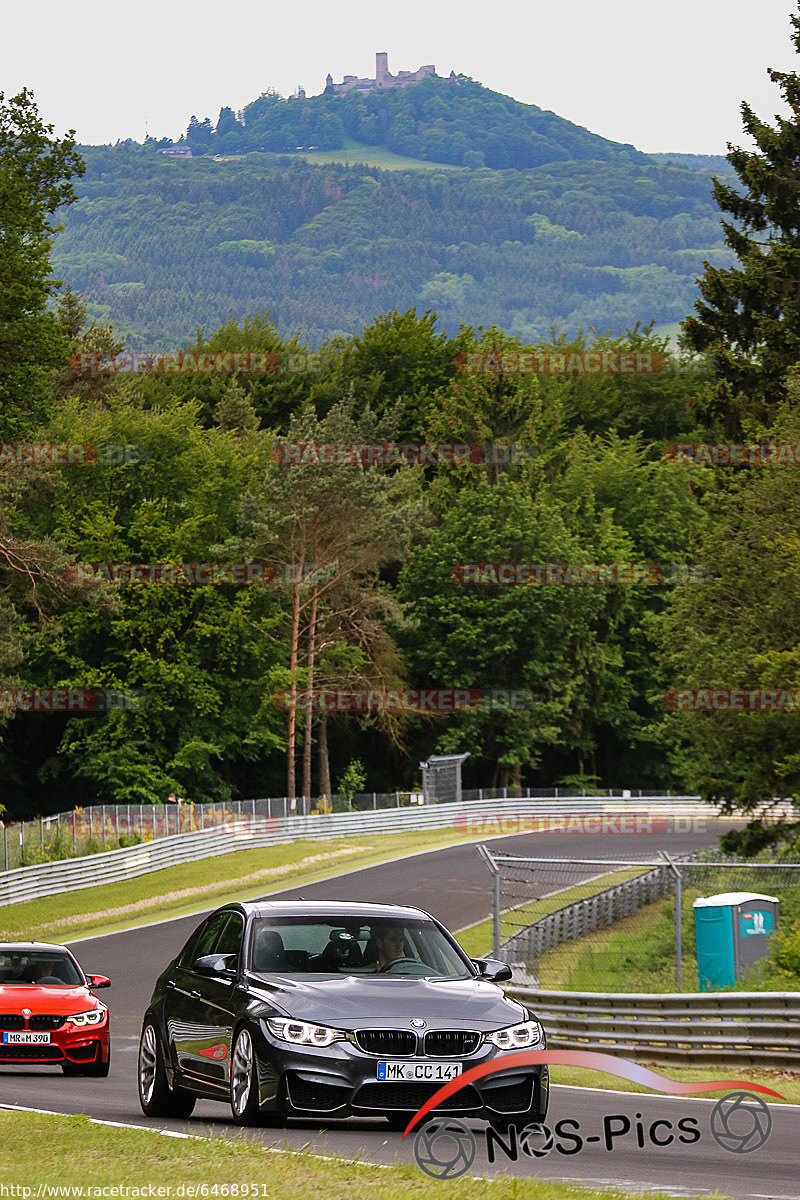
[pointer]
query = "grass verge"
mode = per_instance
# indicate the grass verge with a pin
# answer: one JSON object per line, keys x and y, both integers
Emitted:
{"x": 194, "y": 887}
{"x": 477, "y": 939}
{"x": 71, "y": 1150}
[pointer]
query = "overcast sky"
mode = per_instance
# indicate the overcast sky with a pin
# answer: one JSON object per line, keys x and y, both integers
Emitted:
{"x": 664, "y": 77}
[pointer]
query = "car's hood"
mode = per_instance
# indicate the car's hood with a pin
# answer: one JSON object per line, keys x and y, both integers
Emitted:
{"x": 63, "y": 1000}
{"x": 354, "y": 1001}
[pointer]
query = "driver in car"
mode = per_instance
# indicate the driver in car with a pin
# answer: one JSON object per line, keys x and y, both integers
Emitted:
{"x": 390, "y": 944}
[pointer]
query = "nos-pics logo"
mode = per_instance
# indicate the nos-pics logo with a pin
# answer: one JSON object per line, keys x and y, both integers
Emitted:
{"x": 445, "y": 1148}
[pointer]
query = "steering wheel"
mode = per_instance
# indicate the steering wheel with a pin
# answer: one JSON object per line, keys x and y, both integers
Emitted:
{"x": 395, "y": 962}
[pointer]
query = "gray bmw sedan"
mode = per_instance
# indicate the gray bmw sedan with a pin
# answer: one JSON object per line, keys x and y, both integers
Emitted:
{"x": 315, "y": 1009}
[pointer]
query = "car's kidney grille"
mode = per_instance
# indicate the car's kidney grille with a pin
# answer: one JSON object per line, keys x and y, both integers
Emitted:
{"x": 386, "y": 1041}
{"x": 46, "y": 1021}
{"x": 411, "y": 1096}
{"x": 451, "y": 1043}
{"x": 11, "y": 1021}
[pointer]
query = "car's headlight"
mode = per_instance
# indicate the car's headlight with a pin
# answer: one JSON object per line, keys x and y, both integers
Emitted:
{"x": 93, "y": 1017}
{"x": 517, "y": 1037}
{"x": 300, "y": 1033}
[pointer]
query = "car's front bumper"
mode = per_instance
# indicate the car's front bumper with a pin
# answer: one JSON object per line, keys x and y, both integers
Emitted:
{"x": 89, "y": 1044}
{"x": 341, "y": 1080}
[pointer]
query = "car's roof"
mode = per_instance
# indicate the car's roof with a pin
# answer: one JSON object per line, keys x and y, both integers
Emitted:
{"x": 331, "y": 908}
{"x": 4, "y": 946}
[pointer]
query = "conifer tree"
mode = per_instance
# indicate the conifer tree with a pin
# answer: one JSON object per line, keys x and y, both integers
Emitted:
{"x": 748, "y": 317}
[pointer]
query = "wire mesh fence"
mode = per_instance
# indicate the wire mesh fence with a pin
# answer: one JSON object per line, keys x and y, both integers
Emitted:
{"x": 107, "y": 827}
{"x": 111, "y": 826}
{"x": 627, "y": 925}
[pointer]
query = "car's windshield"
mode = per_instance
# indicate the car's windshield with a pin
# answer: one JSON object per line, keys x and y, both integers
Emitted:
{"x": 47, "y": 968}
{"x": 351, "y": 946}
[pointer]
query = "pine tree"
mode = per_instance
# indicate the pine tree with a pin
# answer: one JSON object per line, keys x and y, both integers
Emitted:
{"x": 234, "y": 409}
{"x": 749, "y": 316}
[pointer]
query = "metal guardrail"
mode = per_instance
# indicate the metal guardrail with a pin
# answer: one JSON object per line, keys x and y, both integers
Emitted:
{"x": 484, "y": 818}
{"x": 584, "y": 916}
{"x": 102, "y": 826}
{"x": 750, "y": 1029}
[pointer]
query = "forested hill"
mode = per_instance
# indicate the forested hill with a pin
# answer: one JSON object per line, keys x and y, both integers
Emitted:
{"x": 160, "y": 245}
{"x": 438, "y": 120}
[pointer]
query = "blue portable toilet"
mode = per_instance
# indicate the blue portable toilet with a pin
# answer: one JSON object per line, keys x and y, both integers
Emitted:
{"x": 732, "y": 932}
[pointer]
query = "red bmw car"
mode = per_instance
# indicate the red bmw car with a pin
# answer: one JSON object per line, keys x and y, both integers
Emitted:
{"x": 48, "y": 1010}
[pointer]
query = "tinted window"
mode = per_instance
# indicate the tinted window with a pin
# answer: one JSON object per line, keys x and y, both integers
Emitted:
{"x": 341, "y": 945}
{"x": 206, "y": 938}
{"x": 230, "y": 940}
{"x": 48, "y": 968}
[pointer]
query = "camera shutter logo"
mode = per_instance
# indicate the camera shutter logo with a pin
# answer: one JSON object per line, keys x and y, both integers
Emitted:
{"x": 535, "y": 1149}
{"x": 740, "y": 1122}
{"x": 444, "y": 1149}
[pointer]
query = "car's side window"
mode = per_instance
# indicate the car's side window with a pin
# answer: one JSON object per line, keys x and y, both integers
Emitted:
{"x": 186, "y": 956}
{"x": 208, "y": 936}
{"x": 229, "y": 940}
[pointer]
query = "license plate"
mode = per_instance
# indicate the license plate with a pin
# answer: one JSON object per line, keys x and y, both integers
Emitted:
{"x": 16, "y": 1039}
{"x": 438, "y": 1072}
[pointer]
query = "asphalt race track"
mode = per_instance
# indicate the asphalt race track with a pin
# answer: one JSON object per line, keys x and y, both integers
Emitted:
{"x": 453, "y": 884}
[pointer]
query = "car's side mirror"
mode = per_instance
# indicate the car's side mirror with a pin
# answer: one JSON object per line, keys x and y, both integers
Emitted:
{"x": 213, "y": 964}
{"x": 98, "y": 981}
{"x": 492, "y": 970}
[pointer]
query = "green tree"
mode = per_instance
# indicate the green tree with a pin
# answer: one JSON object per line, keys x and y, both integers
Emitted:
{"x": 203, "y": 655}
{"x": 739, "y": 628}
{"x": 35, "y": 173}
{"x": 533, "y": 640}
{"x": 748, "y": 317}
{"x": 330, "y": 529}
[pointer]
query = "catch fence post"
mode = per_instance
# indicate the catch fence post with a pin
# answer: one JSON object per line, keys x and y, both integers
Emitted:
{"x": 678, "y": 922}
{"x": 496, "y": 915}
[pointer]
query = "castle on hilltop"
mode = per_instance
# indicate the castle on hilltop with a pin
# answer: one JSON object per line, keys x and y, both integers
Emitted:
{"x": 383, "y": 79}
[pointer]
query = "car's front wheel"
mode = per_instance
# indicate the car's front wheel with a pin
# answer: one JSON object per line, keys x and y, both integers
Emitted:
{"x": 156, "y": 1096}
{"x": 244, "y": 1080}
